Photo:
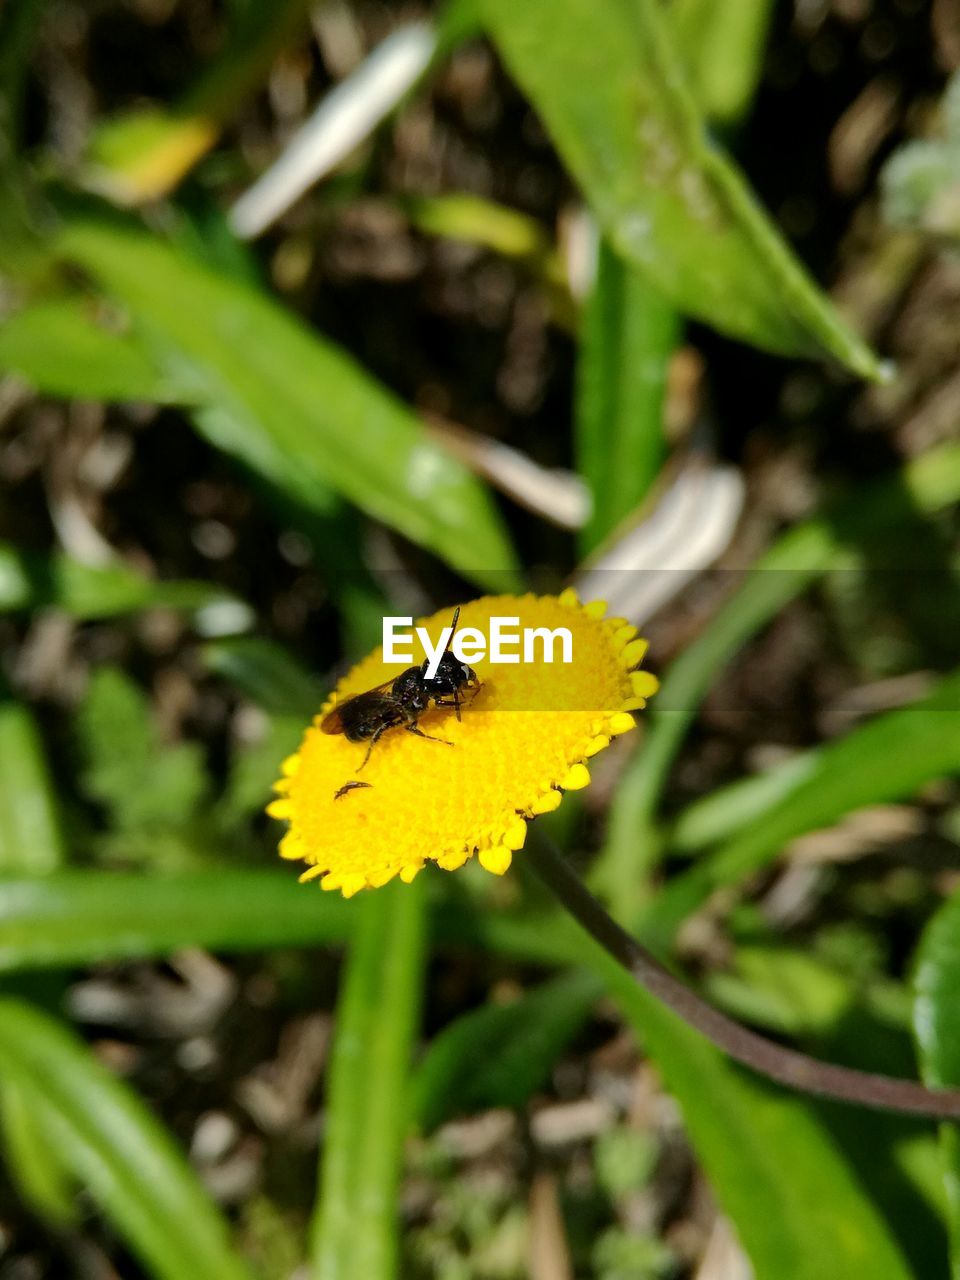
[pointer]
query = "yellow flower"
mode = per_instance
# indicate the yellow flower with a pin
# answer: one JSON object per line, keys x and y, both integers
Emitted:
{"x": 523, "y": 739}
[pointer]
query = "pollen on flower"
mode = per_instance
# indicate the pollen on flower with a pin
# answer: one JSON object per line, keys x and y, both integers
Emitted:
{"x": 522, "y": 741}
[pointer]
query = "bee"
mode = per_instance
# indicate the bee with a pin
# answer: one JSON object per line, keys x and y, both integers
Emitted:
{"x": 399, "y": 703}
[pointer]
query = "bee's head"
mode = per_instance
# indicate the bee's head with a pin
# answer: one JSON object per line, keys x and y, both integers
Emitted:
{"x": 452, "y": 675}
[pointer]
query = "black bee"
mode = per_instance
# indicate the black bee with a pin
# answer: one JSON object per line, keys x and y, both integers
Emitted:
{"x": 399, "y": 703}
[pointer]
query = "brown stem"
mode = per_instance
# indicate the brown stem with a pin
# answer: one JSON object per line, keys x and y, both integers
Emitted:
{"x": 786, "y": 1066}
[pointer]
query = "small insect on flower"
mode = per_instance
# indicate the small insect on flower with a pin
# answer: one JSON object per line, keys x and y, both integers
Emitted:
{"x": 367, "y": 716}
{"x": 525, "y": 738}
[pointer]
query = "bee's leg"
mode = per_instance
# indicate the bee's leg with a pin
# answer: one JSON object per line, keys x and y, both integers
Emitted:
{"x": 454, "y": 701}
{"x": 412, "y": 728}
{"x": 373, "y": 742}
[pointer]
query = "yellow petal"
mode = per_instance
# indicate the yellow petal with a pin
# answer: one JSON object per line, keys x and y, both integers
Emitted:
{"x": 644, "y": 683}
{"x": 453, "y": 861}
{"x": 634, "y": 651}
{"x": 546, "y": 803}
{"x": 622, "y": 722}
{"x": 280, "y": 808}
{"x": 515, "y": 834}
{"x": 595, "y": 609}
{"x": 496, "y": 860}
{"x": 577, "y": 778}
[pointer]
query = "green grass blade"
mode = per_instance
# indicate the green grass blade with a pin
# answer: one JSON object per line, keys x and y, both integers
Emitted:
{"x": 293, "y": 407}
{"x": 936, "y": 1020}
{"x": 72, "y": 347}
{"x": 88, "y": 592}
{"x": 79, "y": 918}
{"x": 31, "y": 840}
{"x": 109, "y": 1140}
{"x": 267, "y": 674}
{"x": 721, "y": 44}
{"x": 354, "y": 1233}
{"x": 796, "y": 1204}
{"x": 888, "y": 759}
{"x": 797, "y": 559}
{"x": 629, "y": 333}
{"x": 499, "y": 1054}
{"x": 721, "y": 813}
{"x": 29, "y": 1154}
{"x": 610, "y": 89}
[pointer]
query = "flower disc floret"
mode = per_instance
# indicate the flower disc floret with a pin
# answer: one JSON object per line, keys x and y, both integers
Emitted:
{"x": 523, "y": 739}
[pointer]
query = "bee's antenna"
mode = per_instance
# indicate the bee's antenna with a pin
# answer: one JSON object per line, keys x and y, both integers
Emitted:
{"x": 453, "y": 629}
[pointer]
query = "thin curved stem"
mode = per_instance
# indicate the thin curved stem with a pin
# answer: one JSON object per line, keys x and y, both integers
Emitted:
{"x": 786, "y": 1066}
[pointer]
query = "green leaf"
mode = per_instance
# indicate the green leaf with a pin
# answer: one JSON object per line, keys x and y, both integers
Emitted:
{"x": 798, "y": 558}
{"x": 629, "y": 334}
{"x": 355, "y": 1226}
{"x": 610, "y": 89}
{"x": 142, "y": 783}
{"x": 40, "y": 1179}
{"x": 77, "y": 348}
{"x": 109, "y": 1140}
{"x": 80, "y": 918}
{"x": 291, "y": 406}
{"x": 500, "y": 1054}
{"x": 255, "y": 768}
{"x": 267, "y": 674}
{"x": 721, "y": 44}
{"x": 74, "y": 918}
{"x": 87, "y": 592}
{"x": 887, "y": 759}
{"x": 936, "y": 1021}
{"x": 31, "y": 840}
{"x": 797, "y": 1206}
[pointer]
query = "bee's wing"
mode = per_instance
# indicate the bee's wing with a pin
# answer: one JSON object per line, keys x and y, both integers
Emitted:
{"x": 332, "y": 722}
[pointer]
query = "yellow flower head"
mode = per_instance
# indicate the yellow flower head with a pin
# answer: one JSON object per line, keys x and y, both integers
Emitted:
{"x": 522, "y": 741}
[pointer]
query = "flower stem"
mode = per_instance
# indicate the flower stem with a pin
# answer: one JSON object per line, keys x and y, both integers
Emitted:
{"x": 766, "y": 1057}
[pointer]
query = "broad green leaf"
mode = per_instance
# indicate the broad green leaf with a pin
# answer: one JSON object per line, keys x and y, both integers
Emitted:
{"x": 936, "y": 1020}
{"x": 355, "y": 1226}
{"x": 927, "y": 485}
{"x": 31, "y": 841}
{"x": 76, "y": 348}
{"x": 610, "y": 89}
{"x": 500, "y": 1054}
{"x": 80, "y": 918}
{"x": 87, "y": 592}
{"x": 797, "y": 1207}
{"x": 887, "y": 759}
{"x": 628, "y": 334}
{"x": 289, "y": 404}
{"x": 109, "y": 1140}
